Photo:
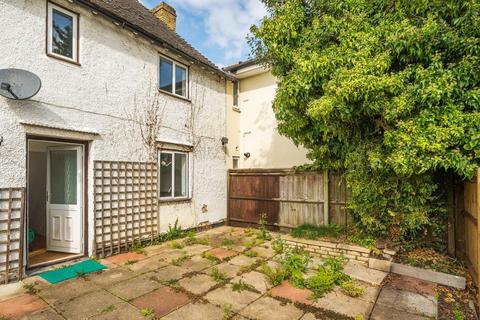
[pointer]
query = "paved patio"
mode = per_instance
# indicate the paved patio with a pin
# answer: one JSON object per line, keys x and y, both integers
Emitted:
{"x": 177, "y": 283}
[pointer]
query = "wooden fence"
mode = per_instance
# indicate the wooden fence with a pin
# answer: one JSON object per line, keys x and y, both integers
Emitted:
{"x": 125, "y": 205}
{"x": 11, "y": 233}
{"x": 289, "y": 199}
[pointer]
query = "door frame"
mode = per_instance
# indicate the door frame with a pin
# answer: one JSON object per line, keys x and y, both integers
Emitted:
{"x": 85, "y": 145}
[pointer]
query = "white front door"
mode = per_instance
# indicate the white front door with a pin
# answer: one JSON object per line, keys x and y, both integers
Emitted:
{"x": 64, "y": 199}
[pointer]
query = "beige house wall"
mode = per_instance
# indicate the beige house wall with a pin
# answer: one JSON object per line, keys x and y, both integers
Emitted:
{"x": 254, "y": 127}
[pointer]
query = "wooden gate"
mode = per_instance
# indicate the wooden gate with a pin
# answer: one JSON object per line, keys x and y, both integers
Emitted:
{"x": 288, "y": 198}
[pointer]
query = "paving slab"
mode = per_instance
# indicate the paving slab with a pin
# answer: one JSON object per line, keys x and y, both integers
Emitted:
{"x": 21, "y": 305}
{"x": 46, "y": 314}
{"x": 256, "y": 280}
{"x": 196, "y": 249}
{"x": 339, "y": 302}
{"x": 167, "y": 273}
{"x": 242, "y": 260}
{"x": 222, "y": 253}
{"x": 288, "y": 291}
{"x": 196, "y": 311}
{"x": 265, "y": 252}
{"x": 197, "y": 284}
{"x": 133, "y": 288}
{"x": 196, "y": 263}
{"x": 121, "y": 311}
{"x": 270, "y": 263}
{"x": 429, "y": 275}
{"x": 123, "y": 258}
{"x": 110, "y": 276}
{"x": 87, "y": 305}
{"x": 413, "y": 285}
{"x": 408, "y": 302}
{"x": 67, "y": 290}
{"x": 224, "y": 295}
{"x": 11, "y": 290}
{"x": 385, "y": 313}
{"x": 170, "y": 255}
{"x": 146, "y": 265}
{"x": 308, "y": 316}
{"x": 230, "y": 270}
{"x": 360, "y": 272}
{"x": 162, "y": 301}
{"x": 156, "y": 249}
{"x": 266, "y": 307}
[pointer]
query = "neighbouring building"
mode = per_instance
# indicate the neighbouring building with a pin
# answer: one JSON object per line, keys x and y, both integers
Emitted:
{"x": 124, "y": 137}
{"x": 254, "y": 141}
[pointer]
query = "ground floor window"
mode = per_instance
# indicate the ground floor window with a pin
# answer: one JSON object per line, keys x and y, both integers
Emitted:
{"x": 174, "y": 172}
{"x": 235, "y": 162}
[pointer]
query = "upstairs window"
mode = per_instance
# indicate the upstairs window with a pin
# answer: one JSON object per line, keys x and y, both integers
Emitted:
{"x": 174, "y": 182}
{"x": 62, "y": 33}
{"x": 173, "y": 77}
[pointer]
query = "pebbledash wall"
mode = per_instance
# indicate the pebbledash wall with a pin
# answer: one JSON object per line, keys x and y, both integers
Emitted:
{"x": 95, "y": 102}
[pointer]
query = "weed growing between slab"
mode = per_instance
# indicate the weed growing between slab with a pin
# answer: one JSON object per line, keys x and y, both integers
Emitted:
{"x": 179, "y": 261}
{"x": 130, "y": 262}
{"x": 263, "y": 233}
{"x": 147, "y": 312}
{"x": 251, "y": 253}
{"x": 279, "y": 245}
{"x": 227, "y": 311}
{"x": 176, "y": 245}
{"x": 241, "y": 286}
{"x": 109, "y": 308}
{"x": 210, "y": 256}
{"x": 31, "y": 288}
{"x": 217, "y": 275}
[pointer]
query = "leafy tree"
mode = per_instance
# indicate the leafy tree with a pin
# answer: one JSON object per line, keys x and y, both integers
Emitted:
{"x": 387, "y": 91}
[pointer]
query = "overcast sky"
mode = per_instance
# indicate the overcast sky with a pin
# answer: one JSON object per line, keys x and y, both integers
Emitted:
{"x": 216, "y": 28}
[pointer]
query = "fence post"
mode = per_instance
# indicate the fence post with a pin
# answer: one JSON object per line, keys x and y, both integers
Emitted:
{"x": 326, "y": 198}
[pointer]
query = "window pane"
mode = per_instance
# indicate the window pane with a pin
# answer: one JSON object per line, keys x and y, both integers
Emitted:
{"x": 235, "y": 163}
{"x": 166, "y": 175}
{"x": 181, "y": 175}
{"x": 62, "y": 34}
{"x": 235, "y": 93}
{"x": 180, "y": 81}
{"x": 166, "y": 74}
{"x": 63, "y": 177}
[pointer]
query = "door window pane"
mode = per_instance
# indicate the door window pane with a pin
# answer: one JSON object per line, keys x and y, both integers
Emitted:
{"x": 166, "y": 74}
{"x": 63, "y": 176}
{"x": 180, "y": 81}
{"x": 62, "y": 34}
{"x": 181, "y": 175}
{"x": 166, "y": 166}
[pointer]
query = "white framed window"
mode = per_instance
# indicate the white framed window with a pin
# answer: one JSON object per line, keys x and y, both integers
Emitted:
{"x": 62, "y": 33}
{"x": 174, "y": 174}
{"x": 173, "y": 77}
{"x": 235, "y": 162}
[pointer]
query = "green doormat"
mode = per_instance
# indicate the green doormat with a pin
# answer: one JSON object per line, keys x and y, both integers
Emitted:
{"x": 73, "y": 271}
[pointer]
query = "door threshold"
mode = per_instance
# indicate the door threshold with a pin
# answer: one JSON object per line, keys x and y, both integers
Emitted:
{"x": 40, "y": 267}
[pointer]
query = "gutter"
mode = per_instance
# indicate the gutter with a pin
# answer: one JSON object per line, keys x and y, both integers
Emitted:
{"x": 152, "y": 38}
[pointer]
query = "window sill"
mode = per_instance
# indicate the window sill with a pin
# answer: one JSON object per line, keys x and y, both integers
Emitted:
{"x": 175, "y": 96}
{"x": 173, "y": 200}
{"x": 54, "y": 56}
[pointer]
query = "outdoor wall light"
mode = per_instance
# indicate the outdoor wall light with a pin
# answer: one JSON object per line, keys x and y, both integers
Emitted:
{"x": 247, "y": 155}
{"x": 224, "y": 141}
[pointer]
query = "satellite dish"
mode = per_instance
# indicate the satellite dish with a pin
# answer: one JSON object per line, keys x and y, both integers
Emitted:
{"x": 18, "y": 84}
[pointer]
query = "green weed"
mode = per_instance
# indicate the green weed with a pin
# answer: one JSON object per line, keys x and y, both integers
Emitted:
{"x": 309, "y": 231}
{"x": 351, "y": 289}
{"x": 147, "y": 312}
{"x": 457, "y": 312}
{"x": 176, "y": 245}
{"x": 279, "y": 245}
{"x": 263, "y": 233}
{"x": 210, "y": 256}
{"x": 31, "y": 288}
{"x": 227, "y": 311}
{"x": 180, "y": 261}
{"x": 251, "y": 254}
{"x": 217, "y": 275}
{"x": 109, "y": 308}
{"x": 241, "y": 286}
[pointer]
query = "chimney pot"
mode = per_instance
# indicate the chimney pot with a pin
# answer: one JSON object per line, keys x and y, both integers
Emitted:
{"x": 167, "y": 14}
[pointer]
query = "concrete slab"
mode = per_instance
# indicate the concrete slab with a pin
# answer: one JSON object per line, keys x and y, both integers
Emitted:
{"x": 287, "y": 291}
{"x": 11, "y": 290}
{"x": 242, "y": 260}
{"x": 147, "y": 265}
{"x": 414, "y": 285}
{"x": 121, "y": 311}
{"x": 222, "y": 253}
{"x": 162, "y": 301}
{"x": 156, "y": 249}
{"x": 377, "y": 264}
{"x": 133, "y": 288}
{"x": 228, "y": 269}
{"x": 67, "y": 290}
{"x": 224, "y": 295}
{"x": 46, "y": 314}
{"x": 265, "y": 252}
{"x": 256, "y": 279}
{"x": 197, "y": 284}
{"x": 167, "y": 273}
{"x": 196, "y": 311}
{"x": 429, "y": 275}
{"x": 360, "y": 272}
{"x": 196, "y": 249}
{"x": 384, "y": 313}
{"x": 123, "y": 258}
{"x": 267, "y": 308}
{"x": 170, "y": 255}
{"x": 87, "y": 305}
{"x": 408, "y": 302}
{"x": 21, "y": 305}
{"x": 308, "y": 316}
{"x": 109, "y": 276}
{"x": 196, "y": 264}
{"x": 339, "y": 302}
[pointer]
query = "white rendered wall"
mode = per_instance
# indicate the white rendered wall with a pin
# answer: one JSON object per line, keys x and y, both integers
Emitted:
{"x": 118, "y": 73}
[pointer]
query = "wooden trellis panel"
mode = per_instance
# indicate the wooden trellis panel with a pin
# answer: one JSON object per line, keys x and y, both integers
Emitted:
{"x": 126, "y": 204}
{"x": 11, "y": 236}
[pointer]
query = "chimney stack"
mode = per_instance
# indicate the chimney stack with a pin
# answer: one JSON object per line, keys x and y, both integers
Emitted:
{"x": 166, "y": 14}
